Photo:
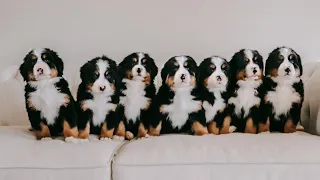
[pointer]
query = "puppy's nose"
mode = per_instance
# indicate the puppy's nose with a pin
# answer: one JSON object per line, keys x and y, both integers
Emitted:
{"x": 102, "y": 88}
{"x": 254, "y": 70}
{"x": 139, "y": 70}
{"x": 40, "y": 70}
{"x": 287, "y": 70}
{"x": 219, "y": 78}
{"x": 183, "y": 77}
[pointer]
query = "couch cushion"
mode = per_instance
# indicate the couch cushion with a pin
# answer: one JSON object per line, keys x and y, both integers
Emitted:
{"x": 20, "y": 151}
{"x": 176, "y": 155}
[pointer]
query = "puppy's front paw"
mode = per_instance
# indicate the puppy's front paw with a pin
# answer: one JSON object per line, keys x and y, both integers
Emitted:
{"x": 232, "y": 129}
{"x": 129, "y": 135}
{"x": 83, "y": 140}
{"x": 46, "y": 138}
{"x": 118, "y": 138}
{"x": 105, "y": 139}
{"x": 71, "y": 140}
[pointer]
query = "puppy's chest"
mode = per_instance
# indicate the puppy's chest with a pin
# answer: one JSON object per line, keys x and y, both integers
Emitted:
{"x": 282, "y": 98}
{"x": 100, "y": 106}
{"x": 134, "y": 99}
{"x": 211, "y": 110}
{"x": 182, "y": 105}
{"x": 47, "y": 99}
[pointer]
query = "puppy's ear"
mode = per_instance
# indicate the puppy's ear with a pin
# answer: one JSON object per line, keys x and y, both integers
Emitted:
{"x": 234, "y": 64}
{"x": 272, "y": 58}
{"x": 85, "y": 70}
{"x": 58, "y": 61}
{"x": 164, "y": 73}
{"x": 201, "y": 68}
{"x": 299, "y": 63}
{"x": 153, "y": 66}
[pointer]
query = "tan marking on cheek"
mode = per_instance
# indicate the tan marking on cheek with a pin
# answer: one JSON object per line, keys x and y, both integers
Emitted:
{"x": 250, "y": 127}
{"x": 105, "y": 133}
{"x": 289, "y": 127}
{"x": 264, "y": 127}
{"x": 68, "y": 131}
{"x": 206, "y": 82}
{"x": 31, "y": 76}
{"x": 213, "y": 129}
{"x": 142, "y": 131}
{"x": 66, "y": 100}
{"x": 199, "y": 129}
{"x": 193, "y": 81}
{"x": 54, "y": 73}
{"x": 30, "y": 105}
{"x": 155, "y": 131}
{"x": 241, "y": 75}
{"x": 44, "y": 132}
{"x": 84, "y": 134}
{"x": 121, "y": 130}
{"x": 128, "y": 74}
{"x": 170, "y": 81}
{"x": 273, "y": 72}
{"x": 33, "y": 57}
{"x": 147, "y": 79}
{"x": 112, "y": 86}
{"x": 226, "y": 125}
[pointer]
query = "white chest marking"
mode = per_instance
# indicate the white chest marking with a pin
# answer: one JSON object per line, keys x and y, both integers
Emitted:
{"x": 282, "y": 98}
{"x": 100, "y": 106}
{"x": 183, "y": 104}
{"x": 246, "y": 96}
{"x": 212, "y": 110}
{"x": 47, "y": 99}
{"x": 134, "y": 100}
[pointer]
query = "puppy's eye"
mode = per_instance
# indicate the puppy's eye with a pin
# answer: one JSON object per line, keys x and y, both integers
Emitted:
{"x": 281, "y": 57}
{"x": 44, "y": 56}
{"x": 224, "y": 66}
{"x": 213, "y": 67}
{"x": 247, "y": 60}
{"x": 134, "y": 59}
{"x": 255, "y": 59}
{"x": 291, "y": 57}
{"x": 144, "y": 61}
{"x": 176, "y": 64}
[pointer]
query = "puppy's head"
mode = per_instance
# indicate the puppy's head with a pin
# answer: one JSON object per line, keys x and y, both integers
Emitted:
{"x": 283, "y": 62}
{"x": 100, "y": 75}
{"x": 179, "y": 71}
{"x": 247, "y": 64}
{"x": 214, "y": 72}
{"x": 139, "y": 66}
{"x": 40, "y": 64}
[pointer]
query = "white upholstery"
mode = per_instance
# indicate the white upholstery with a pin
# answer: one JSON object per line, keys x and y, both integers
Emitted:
{"x": 22, "y": 157}
{"x": 233, "y": 156}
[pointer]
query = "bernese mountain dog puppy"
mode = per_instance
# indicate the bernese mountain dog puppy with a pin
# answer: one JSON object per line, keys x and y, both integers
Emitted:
{"x": 284, "y": 91}
{"x": 246, "y": 68}
{"x": 213, "y": 80}
{"x": 50, "y": 106}
{"x": 137, "y": 90}
{"x": 98, "y": 97}
{"x": 177, "y": 104}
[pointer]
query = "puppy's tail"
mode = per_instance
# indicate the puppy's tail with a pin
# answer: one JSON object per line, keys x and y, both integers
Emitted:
{"x": 10, "y": 73}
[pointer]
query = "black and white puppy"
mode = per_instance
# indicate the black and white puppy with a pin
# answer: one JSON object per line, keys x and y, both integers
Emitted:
{"x": 246, "y": 78}
{"x": 138, "y": 71}
{"x": 49, "y": 103}
{"x": 213, "y": 80}
{"x": 284, "y": 92}
{"x": 98, "y": 97}
{"x": 177, "y": 103}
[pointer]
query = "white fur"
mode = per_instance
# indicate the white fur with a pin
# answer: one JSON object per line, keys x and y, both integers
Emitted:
{"x": 47, "y": 99}
{"x": 182, "y": 70}
{"x": 286, "y": 52}
{"x": 251, "y": 65}
{"x": 134, "y": 100}
{"x": 212, "y": 79}
{"x": 40, "y": 64}
{"x": 246, "y": 96}
{"x": 284, "y": 95}
{"x": 102, "y": 67}
{"x": 219, "y": 104}
{"x": 182, "y": 105}
{"x": 143, "y": 73}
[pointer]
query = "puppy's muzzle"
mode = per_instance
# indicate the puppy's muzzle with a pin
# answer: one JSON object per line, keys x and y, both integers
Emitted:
{"x": 102, "y": 88}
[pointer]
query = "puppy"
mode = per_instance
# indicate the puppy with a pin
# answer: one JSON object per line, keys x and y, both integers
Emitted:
{"x": 246, "y": 78}
{"x": 178, "y": 106}
{"x": 98, "y": 97}
{"x": 49, "y": 103}
{"x": 284, "y": 92}
{"x": 213, "y": 80}
{"x": 138, "y": 71}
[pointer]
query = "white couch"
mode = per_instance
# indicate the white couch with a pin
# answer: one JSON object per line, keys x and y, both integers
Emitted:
{"x": 234, "y": 156}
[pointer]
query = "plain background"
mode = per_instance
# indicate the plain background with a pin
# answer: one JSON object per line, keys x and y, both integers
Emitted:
{"x": 81, "y": 29}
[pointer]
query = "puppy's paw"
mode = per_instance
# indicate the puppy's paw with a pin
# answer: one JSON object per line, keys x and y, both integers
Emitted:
{"x": 118, "y": 138}
{"x": 46, "y": 139}
{"x": 129, "y": 135}
{"x": 232, "y": 129}
{"x": 265, "y": 132}
{"x": 71, "y": 140}
{"x": 83, "y": 140}
{"x": 105, "y": 139}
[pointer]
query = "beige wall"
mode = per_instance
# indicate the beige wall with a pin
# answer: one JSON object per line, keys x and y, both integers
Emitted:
{"x": 82, "y": 29}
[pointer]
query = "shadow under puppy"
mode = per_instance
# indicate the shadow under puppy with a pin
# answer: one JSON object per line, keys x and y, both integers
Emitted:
{"x": 49, "y": 103}
{"x": 137, "y": 91}
{"x": 284, "y": 91}
{"x": 179, "y": 110}
{"x": 245, "y": 90}
{"x": 213, "y": 81}
{"x": 98, "y": 97}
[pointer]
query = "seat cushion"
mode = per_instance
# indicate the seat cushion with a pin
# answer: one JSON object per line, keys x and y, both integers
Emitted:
{"x": 232, "y": 156}
{"x": 23, "y": 157}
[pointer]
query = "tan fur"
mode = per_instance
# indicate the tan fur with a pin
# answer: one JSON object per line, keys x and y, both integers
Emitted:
{"x": 155, "y": 131}
{"x": 44, "y": 132}
{"x": 250, "y": 127}
{"x": 212, "y": 128}
{"x": 226, "y": 125}
{"x": 84, "y": 134}
{"x": 128, "y": 74}
{"x": 142, "y": 131}
{"x": 274, "y": 72}
{"x": 147, "y": 79}
{"x": 68, "y": 131}
{"x": 169, "y": 81}
{"x": 54, "y": 73}
{"x": 289, "y": 127}
{"x": 121, "y": 130}
{"x": 105, "y": 133}
{"x": 199, "y": 129}
{"x": 241, "y": 75}
{"x": 264, "y": 127}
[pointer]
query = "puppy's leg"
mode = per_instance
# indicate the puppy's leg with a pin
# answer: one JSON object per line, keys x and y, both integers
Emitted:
{"x": 84, "y": 134}
{"x": 43, "y": 133}
{"x": 199, "y": 129}
{"x": 226, "y": 125}
{"x": 250, "y": 126}
{"x": 155, "y": 131}
{"x": 264, "y": 127}
{"x": 212, "y": 128}
{"x": 289, "y": 127}
{"x": 121, "y": 132}
{"x": 105, "y": 132}
{"x": 142, "y": 131}
{"x": 70, "y": 133}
